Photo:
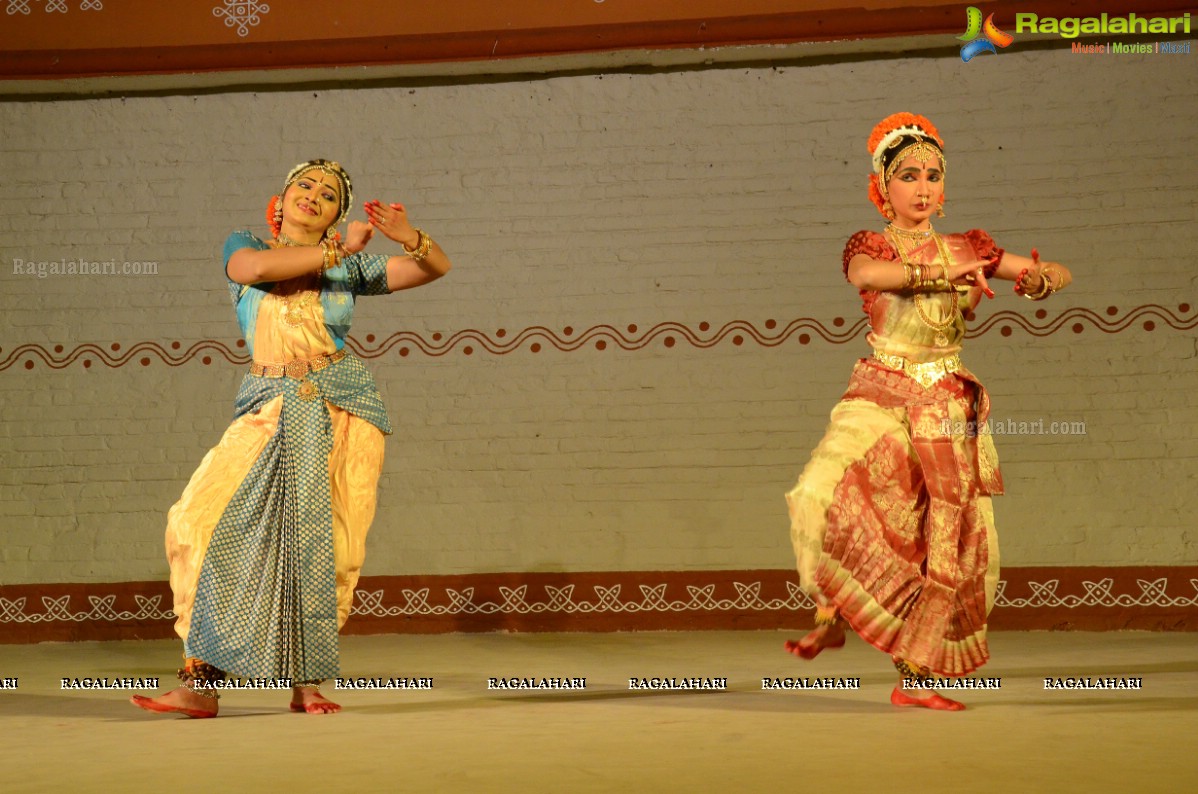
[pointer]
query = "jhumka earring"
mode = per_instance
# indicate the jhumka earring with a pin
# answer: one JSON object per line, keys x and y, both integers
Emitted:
{"x": 888, "y": 210}
{"x": 940, "y": 209}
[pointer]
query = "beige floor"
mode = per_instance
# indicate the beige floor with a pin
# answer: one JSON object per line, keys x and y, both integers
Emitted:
{"x": 459, "y": 737}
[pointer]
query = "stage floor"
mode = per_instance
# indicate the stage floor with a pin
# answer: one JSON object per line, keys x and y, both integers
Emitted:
{"x": 461, "y": 736}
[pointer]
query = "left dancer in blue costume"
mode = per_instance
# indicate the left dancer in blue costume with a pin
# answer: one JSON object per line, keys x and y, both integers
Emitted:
{"x": 267, "y": 541}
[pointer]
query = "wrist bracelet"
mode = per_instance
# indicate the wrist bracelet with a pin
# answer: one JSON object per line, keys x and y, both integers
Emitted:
{"x": 329, "y": 257}
{"x": 423, "y": 244}
{"x": 1051, "y": 268}
{"x": 1042, "y": 292}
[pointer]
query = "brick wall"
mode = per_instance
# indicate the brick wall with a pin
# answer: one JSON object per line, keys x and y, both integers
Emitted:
{"x": 696, "y": 205}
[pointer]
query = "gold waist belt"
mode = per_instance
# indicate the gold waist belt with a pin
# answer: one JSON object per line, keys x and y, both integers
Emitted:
{"x": 296, "y": 369}
{"x": 926, "y": 374}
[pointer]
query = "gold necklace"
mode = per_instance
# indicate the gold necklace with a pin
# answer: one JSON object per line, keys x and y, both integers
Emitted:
{"x": 941, "y": 339}
{"x": 293, "y": 307}
{"x": 286, "y": 241}
{"x": 910, "y": 234}
{"x": 292, "y": 313}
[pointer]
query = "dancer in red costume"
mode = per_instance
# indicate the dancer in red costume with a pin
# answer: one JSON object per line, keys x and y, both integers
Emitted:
{"x": 891, "y": 520}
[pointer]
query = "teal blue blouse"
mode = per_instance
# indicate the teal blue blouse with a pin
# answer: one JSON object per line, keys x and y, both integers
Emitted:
{"x": 358, "y": 274}
{"x": 346, "y": 384}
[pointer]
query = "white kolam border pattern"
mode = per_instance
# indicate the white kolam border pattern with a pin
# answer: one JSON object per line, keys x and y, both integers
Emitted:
{"x": 561, "y": 600}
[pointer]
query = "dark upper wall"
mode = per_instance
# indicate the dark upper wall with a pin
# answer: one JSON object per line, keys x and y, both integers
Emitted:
{"x": 208, "y": 35}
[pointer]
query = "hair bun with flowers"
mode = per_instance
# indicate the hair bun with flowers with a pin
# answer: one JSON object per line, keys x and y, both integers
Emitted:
{"x": 898, "y": 124}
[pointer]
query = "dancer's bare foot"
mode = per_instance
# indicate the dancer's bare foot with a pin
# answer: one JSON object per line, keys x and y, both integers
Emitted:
{"x": 923, "y": 698}
{"x": 181, "y": 700}
{"x": 826, "y": 636}
{"x": 309, "y": 700}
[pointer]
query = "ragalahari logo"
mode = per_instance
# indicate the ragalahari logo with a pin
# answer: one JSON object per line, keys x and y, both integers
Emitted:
{"x": 991, "y": 36}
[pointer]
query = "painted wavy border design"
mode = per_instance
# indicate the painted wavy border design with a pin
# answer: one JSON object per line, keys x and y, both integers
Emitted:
{"x": 599, "y": 337}
{"x": 561, "y": 600}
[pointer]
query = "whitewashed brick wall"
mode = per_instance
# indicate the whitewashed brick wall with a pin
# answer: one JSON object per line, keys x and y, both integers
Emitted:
{"x": 691, "y": 196}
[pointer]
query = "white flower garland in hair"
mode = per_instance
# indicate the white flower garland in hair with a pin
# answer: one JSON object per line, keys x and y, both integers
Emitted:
{"x": 892, "y": 137}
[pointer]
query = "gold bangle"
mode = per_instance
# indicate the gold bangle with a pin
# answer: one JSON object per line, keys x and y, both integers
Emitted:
{"x": 1051, "y": 267}
{"x": 1044, "y": 290}
{"x": 934, "y": 283}
{"x": 326, "y": 252}
{"x": 423, "y": 244}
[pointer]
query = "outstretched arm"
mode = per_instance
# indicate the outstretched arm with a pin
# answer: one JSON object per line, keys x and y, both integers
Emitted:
{"x": 282, "y": 262}
{"x": 1030, "y": 275}
{"x": 868, "y": 273}
{"x": 252, "y": 266}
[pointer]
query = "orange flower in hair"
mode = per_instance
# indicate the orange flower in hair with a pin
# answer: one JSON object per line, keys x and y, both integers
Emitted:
{"x": 896, "y": 120}
{"x": 274, "y": 217}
